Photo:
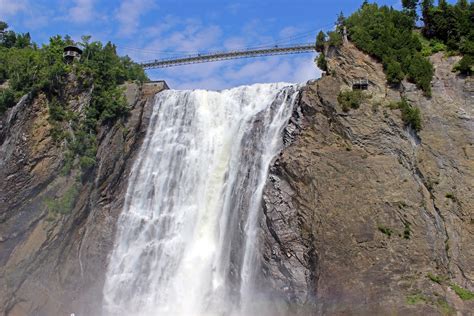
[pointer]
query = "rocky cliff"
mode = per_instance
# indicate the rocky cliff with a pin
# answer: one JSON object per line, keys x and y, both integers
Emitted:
{"x": 364, "y": 216}
{"x": 56, "y": 230}
{"x": 361, "y": 214}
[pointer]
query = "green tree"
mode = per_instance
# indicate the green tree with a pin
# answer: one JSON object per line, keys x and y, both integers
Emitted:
{"x": 395, "y": 73}
{"x": 410, "y": 7}
{"x": 335, "y": 39}
{"x": 388, "y": 35}
{"x": 340, "y": 23}
{"x": 320, "y": 41}
{"x": 3, "y": 26}
{"x": 426, "y": 12}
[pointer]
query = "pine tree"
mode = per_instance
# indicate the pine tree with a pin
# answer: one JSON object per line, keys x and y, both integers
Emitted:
{"x": 410, "y": 7}
{"x": 426, "y": 9}
{"x": 320, "y": 40}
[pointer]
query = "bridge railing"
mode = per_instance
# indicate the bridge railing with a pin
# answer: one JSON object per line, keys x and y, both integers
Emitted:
{"x": 221, "y": 55}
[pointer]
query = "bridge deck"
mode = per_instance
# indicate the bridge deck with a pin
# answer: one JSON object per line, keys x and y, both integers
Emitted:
{"x": 203, "y": 58}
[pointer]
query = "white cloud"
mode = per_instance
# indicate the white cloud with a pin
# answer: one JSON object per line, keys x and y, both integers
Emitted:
{"x": 235, "y": 43}
{"x": 9, "y": 7}
{"x": 288, "y": 31}
{"x": 129, "y": 14}
{"x": 82, "y": 11}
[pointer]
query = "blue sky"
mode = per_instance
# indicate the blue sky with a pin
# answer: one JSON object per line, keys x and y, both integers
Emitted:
{"x": 149, "y": 29}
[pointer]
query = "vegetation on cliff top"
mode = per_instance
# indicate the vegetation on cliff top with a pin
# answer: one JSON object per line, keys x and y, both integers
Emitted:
{"x": 29, "y": 68}
{"x": 395, "y": 38}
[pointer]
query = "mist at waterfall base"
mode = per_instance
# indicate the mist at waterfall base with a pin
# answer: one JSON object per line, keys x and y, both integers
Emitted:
{"x": 188, "y": 239}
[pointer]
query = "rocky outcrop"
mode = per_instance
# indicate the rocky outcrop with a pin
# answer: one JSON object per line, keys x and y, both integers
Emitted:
{"x": 364, "y": 216}
{"x": 56, "y": 230}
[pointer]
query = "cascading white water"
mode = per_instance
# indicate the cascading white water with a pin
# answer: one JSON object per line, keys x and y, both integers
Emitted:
{"x": 187, "y": 237}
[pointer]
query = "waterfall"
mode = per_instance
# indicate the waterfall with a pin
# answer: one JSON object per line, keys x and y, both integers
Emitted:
{"x": 187, "y": 238}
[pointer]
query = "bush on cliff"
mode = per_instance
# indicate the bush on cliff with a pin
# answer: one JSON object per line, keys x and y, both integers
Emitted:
{"x": 350, "y": 99}
{"x": 411, "y": 115}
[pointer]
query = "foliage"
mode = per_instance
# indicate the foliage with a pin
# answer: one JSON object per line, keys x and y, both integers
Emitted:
{"x": 465, "y": 65}
{"x": 63, "y": 204}
{"x": 411, "y": 115}
{"x": 452, "y": 25}
{"x": 320, "y": 41}
{"x": 388, "y": 35}
{"x": 416, "y": 298}
{"x": 463, "y": 293}
{"x": 421, "y": 72}
{"x": 444, "y": 306}
{"x": 335, "y": 39}
{"x": 7, "y": 100}
{"x": 350, "y": 99}
{"x": 436, "y": 278}
{"x": 395, "y": 73}
{"x": 322, "y": 63}
{"x": 30, "y": 69}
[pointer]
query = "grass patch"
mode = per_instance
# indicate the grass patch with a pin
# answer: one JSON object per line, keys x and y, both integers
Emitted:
{"x": 416, "y": 299}
{"x": 63, "y": 204}
{"x": 436, "y": 278}
{"x": 463, "y": 293}
{"x": 350, "y": 99}
{"x": 445, "y": 308}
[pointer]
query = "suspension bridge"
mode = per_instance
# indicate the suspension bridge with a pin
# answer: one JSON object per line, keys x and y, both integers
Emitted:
{"x": 232, "y": 54}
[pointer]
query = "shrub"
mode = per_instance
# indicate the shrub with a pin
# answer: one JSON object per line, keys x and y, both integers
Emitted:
{"x": 63, "y": 204}
{"x": 335, "y": 39}
{"x": 322, "y": 63}
{"x": 436, "y": 278}
{"x": 350, "y": 99}
{"x": 7, "y": 100}
{"x": 466, "y": 65}
{"x": 320, "y": 41}
{"x": 420, "y": 71}
{"x": 395, "y": 74}
{"x": 411, "y": 115}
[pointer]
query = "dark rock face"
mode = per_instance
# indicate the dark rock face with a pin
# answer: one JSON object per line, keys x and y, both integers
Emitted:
{"x": 359, "y": 210}
{"x": 54, "y": 264}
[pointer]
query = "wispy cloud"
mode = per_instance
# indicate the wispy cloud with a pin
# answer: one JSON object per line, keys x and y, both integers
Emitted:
{"x": 9, "y": 7}
{"x": 129, "y": 12}
{"x": 82, "y": 11}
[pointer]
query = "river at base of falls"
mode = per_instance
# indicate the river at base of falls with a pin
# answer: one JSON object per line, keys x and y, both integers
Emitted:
{"x": 187, "y": 239}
